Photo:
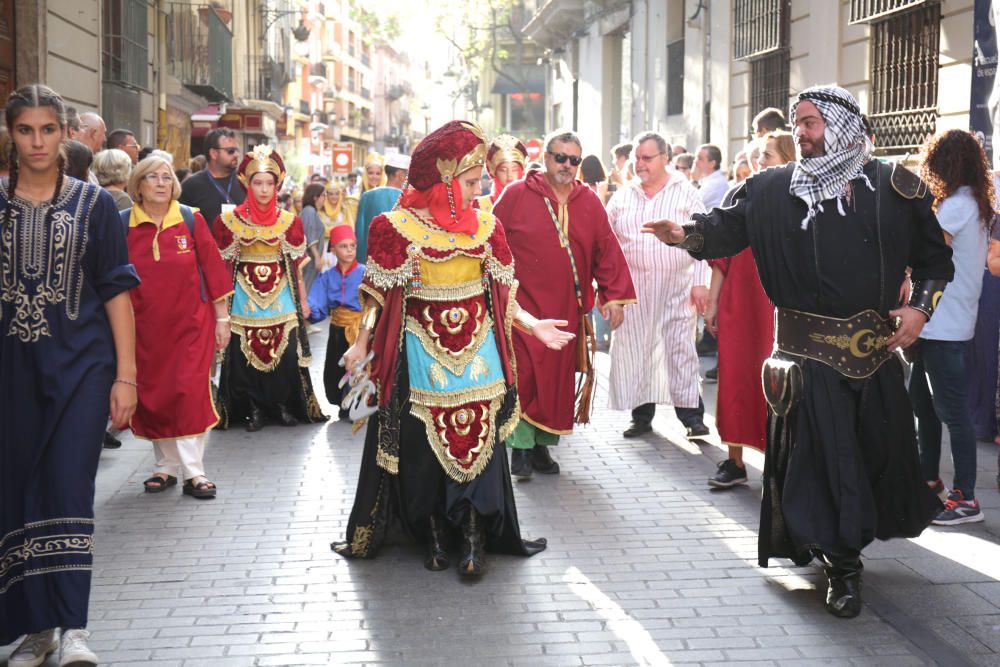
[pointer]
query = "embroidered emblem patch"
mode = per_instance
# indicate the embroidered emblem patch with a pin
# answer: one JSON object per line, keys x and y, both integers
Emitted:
{"x": 182, "y": 244}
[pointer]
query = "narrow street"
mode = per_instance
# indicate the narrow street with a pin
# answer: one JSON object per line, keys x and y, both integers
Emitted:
{"x": 645, "y": 566}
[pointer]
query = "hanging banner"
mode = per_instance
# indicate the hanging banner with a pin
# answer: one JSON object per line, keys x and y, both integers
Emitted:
{"x": 984, "y": 107}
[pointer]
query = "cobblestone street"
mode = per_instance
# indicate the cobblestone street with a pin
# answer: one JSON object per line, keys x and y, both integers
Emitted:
{"x": 645, "y": 566}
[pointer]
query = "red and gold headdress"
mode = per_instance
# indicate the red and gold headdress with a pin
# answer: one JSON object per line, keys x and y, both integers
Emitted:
{"x": 506, "y": 148}
{"x": 435, "y": 165}
{"x": 262, "y": 158}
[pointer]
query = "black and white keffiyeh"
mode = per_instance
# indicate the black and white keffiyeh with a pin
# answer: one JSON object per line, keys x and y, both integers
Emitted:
{"x": 848, "y": 148}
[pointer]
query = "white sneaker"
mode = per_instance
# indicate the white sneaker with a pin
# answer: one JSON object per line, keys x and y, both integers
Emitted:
{"x": 34, "y": 649}
{"x": 73, "y": 649}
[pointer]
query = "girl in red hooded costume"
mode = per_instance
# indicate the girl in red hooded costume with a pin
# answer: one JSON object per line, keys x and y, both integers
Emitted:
{"x": 265, "y": 374}
{"x": 505, "y": 162}
{"x": 439, "y": 282}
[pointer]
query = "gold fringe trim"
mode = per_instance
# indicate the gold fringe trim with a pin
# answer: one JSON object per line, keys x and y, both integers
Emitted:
{"x": 458, "y": 398}
{"x": 387, "y": 279}
{"x": 456, "y": 292}
{"x": 387, "y": 462}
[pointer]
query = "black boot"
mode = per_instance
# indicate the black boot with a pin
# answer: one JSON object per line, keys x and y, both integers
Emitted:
{"x": 256, "y": 420}
{"x": 437, "y": 551}
{"x": 542, "y": 461}
{"x": 285, "y": 417}
{"x": 843, "y": 595}
{"x": 520, "y": 464}
{"x": 473, "y": 560}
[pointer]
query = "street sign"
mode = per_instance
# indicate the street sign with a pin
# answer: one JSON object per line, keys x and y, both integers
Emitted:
{"x": 343, "y": 158}
{"x": 534, "y": 147}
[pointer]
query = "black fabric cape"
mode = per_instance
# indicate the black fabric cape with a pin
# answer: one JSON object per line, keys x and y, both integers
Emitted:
{"x": 841, "y": 469}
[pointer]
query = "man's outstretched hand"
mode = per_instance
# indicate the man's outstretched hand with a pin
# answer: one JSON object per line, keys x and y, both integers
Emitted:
{"x": 667, "y": 231}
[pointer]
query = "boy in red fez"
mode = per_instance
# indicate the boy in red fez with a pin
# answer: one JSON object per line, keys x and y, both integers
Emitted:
{"x": 335, "y": 295}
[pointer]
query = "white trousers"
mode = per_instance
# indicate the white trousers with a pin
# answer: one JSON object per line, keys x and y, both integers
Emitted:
{"x": 183, "y": 455}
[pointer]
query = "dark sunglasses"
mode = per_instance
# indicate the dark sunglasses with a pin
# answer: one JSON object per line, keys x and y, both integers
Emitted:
{"x": 230, "y": 151}
{"x": 561, "y": 158}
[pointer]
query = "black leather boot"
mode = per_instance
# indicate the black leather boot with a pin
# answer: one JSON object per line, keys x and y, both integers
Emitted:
{"x": 437, "y": 551}
{"x": 843, "y": 595}
{"x": 285, "y": 417}
{"x": 542, "y": 461}
{"x": 520, "y": 464}
{"x": 473, "y": 560}
{"x": 256, "y": 420}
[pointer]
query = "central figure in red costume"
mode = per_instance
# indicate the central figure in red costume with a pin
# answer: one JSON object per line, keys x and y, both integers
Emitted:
{"x": 440, "y": 284}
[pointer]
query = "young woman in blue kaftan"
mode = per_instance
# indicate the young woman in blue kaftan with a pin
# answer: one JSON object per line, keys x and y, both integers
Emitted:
{"x": 67, "y": 361}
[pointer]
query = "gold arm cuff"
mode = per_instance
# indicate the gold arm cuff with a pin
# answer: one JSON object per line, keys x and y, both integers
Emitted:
{"x": 369, "y": 315}
{"x": 524, "y": 320}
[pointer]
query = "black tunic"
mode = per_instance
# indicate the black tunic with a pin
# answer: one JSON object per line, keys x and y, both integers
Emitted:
{"x": 841, "y": 469}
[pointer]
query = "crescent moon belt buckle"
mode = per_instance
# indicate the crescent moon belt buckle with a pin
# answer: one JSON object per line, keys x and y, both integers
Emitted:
{"x": 855, "y": 346}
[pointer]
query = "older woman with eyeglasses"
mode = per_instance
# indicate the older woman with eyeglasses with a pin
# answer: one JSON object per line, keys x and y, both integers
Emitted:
{"x": 181, "y": 317}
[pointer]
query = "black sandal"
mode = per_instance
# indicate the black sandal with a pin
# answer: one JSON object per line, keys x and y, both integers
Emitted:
{"x": 155, "y": 484}
{"x": 204, "y": 490}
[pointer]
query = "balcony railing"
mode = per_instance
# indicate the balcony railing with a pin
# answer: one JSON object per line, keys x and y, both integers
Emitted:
{"x": 199, "y": 50}
{"x": 265, "y": 78}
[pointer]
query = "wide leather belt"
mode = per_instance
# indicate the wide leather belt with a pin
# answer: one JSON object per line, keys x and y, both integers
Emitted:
{"x": 855, "y": 346}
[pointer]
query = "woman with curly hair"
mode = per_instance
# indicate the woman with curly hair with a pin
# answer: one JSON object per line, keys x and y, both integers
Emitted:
{"x": 955, "y": 169}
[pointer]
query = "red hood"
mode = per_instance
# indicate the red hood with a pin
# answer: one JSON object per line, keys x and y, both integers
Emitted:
{"x": 535, "y": 181}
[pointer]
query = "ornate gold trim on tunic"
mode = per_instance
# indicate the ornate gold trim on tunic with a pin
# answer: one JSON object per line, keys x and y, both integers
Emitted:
{"x": 26, "y": 554}
{"x": 250, "y": 334}
{"x": 462, "y": 420}
{"x": 427, "y": 235}
{"x": 454, "y": 361}
{"x": 40, "y": 260}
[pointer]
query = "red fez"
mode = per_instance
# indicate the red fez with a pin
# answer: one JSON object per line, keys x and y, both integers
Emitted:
{"x": 342, "y": 233}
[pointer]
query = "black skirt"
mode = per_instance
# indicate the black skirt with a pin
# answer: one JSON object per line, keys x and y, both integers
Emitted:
{"x": 842, "y": 468}
{"x": 242, "y": 386}
{"x": 385, "y": 501}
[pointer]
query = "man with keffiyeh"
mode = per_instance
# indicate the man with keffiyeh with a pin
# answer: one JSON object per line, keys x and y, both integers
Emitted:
{"x": 834, "y": 235}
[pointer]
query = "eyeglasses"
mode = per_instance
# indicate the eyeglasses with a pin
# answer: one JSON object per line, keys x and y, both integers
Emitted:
{"x": 132, "y": 145}
{"x": 647, "y": 158}
{"x": 228, "y": 151}
{"x": 158, "y": 178}
{"x": 561, "y": 158}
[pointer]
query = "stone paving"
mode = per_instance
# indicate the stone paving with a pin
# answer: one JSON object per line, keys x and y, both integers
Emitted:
{"x": 645, "y": 566}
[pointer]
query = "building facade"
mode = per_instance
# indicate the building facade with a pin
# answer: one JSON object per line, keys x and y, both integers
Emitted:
{"x": 698, "y": 71}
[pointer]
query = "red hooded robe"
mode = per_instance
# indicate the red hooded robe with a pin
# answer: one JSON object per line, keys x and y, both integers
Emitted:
{"x": 546, "y": 378}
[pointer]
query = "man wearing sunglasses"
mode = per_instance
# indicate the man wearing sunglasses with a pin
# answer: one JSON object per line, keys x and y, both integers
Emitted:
{"x": 216, "y": 187}
{"x": 562, "y": 243}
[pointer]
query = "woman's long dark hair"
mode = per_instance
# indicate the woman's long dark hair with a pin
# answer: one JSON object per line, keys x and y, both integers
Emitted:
{"x": 32, "y": 97}
{"x": 952, "y": 159}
